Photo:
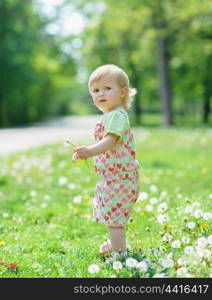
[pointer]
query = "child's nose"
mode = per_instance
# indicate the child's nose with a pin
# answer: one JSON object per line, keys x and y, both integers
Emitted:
{"x": 101, "y": 92}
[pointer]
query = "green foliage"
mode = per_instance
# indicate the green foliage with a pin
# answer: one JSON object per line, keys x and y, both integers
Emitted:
{"x": 39, "y": 71}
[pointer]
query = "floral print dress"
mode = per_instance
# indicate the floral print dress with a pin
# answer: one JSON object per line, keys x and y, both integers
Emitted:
{"x": 118, "y": 186}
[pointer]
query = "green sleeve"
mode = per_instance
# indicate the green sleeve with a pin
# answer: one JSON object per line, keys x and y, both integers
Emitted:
{"x": 116, "y": 122}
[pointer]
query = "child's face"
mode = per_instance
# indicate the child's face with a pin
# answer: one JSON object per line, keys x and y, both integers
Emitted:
{"x": 107, "y": 94}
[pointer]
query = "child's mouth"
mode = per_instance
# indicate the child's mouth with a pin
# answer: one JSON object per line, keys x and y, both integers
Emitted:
{"x": 102, "y": 100}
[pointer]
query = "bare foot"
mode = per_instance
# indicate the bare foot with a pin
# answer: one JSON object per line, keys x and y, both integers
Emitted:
{"x": 106, "y": 248}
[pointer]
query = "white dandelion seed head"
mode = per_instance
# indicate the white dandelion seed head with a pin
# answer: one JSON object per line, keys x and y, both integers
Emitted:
{"x": 167, "y": 237}
{"x": 5, "y": 215}
{"x": 131, "y": 262}
{"x": 190, "y": 225}
{"x": 142, "y": 266}
{"x": 62, "y": 180}
{"x": 149, "y": 207}
{"x": 117, "y": 265}
{"x": 198, "y": 213}
{"x": 200, "y": 252}
{"x": 160, "y": 275}
{"x": 72, "y": 186}
{"x": 162, "y": 219}
{"x": 202, "y": 242}
{"x": 92, "y": 269}
{"x": 153, "y": 188}
{"x": 77, "y": 199}
{"x": 143, "y": 196}
{"x": 162, "y": 207}
{"x": 176, "y": 244}
{"x": 207, "y": 216}
{"x": 207, "y": 253}
{"x": 163, "y": 194}
{"x": 182, "y": 272}
{"x": 153, "y": 200}
{"x": 43, "y": 205}
{"x": 46, "y": 197}
{"x": 188, "y": 209}
{"x": 188, "y": 250}
{"x": 209, "y": 238}
{"x": 210, "y": 196}
{"x": 182, "y": 261}
{"x": 196, "y": 204}
{"x": 166, "y": 262}
{"x": 185, "y": 239}
{"x": 33, "y": 193}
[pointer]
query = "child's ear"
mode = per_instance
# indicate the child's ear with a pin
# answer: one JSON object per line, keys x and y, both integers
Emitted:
{"x": 124, "y": 91}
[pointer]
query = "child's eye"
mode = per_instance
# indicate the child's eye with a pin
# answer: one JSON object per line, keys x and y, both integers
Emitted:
{"x": 95, "y": 90}
{"x": 108, "y": 88}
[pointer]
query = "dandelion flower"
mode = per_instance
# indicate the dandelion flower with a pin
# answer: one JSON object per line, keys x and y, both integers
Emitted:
{"x": 92, "y": 269}
{"x": 198, "y": 213}
{"x": 33, "y": 193}
{"x": 149, "y": 207}
{"x": 166, "y": 262}
{"x": 142, "y": 196}
{"x": 162, "y": 207}
{"x": 182, "y": 272}
{"x": 202, "y": 242}
{"x": 188, "y": 209}
{"x": 163, "y": 194}
{"x": 159, "y": 275}
{"x": 167, "y": 237}
{"x": 77, "y": 199}
{"x": 209, "y": 239}
{"x": 181, "y": 261}
{"x": 196, "y": 204}
{"x": 5, "y": 215}
{"x": 188, "y": 250}
{"x": 207, "y": 216}
{"x": 200, "y": 252}
{"x": 185, "y": 239}
{"x": 131, "y": 262}
{"x": 117, "y": 265}
{"x": 190, "y": 225}
{"x": 162, "y": 219}
{"x": 153, "y": 189}
{"x": 153, "y": 200}
{"x": 62, "y": 180}
{"x": 176, "y": 244}
{"x": 142, "y": 266}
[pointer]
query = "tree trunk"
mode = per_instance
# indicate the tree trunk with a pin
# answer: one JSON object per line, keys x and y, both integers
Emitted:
{"x": 159, "y": 23}
{"x": 137, "y": 107}
{"x": 207, "y": 90}
{"x": 165, "y": 86}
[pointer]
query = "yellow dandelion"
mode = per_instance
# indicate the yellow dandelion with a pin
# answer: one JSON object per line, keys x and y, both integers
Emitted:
{"x": 141, "y": 212}
{"x": 86, "y": 196}
{"x": 2, "y": 243}
{"x": 204, "y": 225}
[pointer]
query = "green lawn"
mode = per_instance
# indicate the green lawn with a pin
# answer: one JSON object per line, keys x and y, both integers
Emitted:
{"x": 46, "y": 209}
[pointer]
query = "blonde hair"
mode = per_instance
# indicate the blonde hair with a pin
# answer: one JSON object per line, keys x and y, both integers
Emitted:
{"x": 114, "y": 72}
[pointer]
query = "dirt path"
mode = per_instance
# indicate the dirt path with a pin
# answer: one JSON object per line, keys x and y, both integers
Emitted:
{"x": 77, "y": 128}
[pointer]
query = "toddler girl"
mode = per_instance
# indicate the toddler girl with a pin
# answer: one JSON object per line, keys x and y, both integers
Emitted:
{"x": 113, "y": 154}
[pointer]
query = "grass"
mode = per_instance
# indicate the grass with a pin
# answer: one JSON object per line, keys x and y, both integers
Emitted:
{"x": 46, "y": 209}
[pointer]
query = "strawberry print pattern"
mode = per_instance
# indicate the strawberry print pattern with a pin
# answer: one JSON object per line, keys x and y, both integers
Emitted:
{"x": 118, "y": 187}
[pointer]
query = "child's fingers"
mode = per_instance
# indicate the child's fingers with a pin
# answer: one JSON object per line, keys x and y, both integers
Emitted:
{"x": 77, "y": 149}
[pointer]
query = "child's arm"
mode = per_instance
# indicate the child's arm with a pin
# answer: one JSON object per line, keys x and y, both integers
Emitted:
{"x": 107, "y": 143}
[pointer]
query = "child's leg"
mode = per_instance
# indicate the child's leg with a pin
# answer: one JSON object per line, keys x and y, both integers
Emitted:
{"x": 117, "y": 238}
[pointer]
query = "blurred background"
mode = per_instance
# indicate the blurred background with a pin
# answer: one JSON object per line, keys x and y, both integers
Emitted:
{"x": 48, "y": 48}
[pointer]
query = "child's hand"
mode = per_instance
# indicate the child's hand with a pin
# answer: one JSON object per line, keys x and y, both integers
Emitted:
{"x": 74, "y": 157}
{"x": 82, "y": 152}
